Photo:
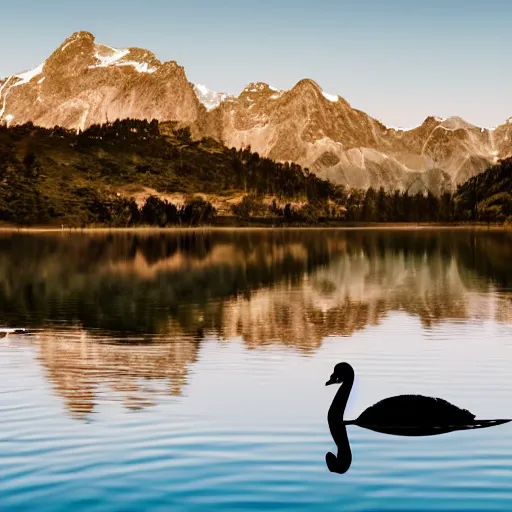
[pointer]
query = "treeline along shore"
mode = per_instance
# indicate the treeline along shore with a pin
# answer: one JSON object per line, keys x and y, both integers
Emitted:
{"x": 133, "y": 173}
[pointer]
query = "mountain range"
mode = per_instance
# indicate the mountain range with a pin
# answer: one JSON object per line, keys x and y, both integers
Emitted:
{"x": 84, "y": 82}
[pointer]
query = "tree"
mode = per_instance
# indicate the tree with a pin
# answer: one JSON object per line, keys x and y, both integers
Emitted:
{"x": 370, "y": 205}
{"x": 184, "y": 135}
{"x": 355, "y": 205}
{"x": 171, "y": 213}
{"x": 382, "y": 208}
{"x": 396, "y": 209}
{"x": 246, "y": 207}
{"x": 134, "y": 213}
{"x": 446, "y": 208}
{"x": 154, "y": 212}
{"x": 197, "y": 211}
{"x": 30, "y": 164}
{"x": 308, "y": 213}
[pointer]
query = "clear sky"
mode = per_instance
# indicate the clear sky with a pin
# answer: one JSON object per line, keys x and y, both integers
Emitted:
{"x": 398, "y": 60}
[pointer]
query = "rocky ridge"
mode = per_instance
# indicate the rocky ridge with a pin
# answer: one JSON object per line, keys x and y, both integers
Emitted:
{"x": 85, "y": 82}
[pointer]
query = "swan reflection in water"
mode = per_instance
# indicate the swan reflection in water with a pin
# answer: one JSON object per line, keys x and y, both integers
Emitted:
{"x": 403, "y": 415}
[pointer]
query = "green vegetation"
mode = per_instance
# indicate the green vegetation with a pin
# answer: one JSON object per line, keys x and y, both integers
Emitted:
{"x": 488, "y": 196}
{"x": 485, "y": 197}
{"x": 54, "y": 176}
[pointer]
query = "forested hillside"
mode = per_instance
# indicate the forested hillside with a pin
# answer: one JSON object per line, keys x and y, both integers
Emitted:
{"x": 54, "y": 176}
{"x": 488, "y": 196}
{"x": 57, "y": 175}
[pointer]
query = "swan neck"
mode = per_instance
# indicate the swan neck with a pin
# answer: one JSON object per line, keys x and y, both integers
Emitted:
{"x": 341, "y": 398}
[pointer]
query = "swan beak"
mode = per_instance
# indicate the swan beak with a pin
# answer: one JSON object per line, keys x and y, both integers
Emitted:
{"x": 330, "y": 381}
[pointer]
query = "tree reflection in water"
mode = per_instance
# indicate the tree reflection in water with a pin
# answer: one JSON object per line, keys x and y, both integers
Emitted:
{"x": 91, "y": 296}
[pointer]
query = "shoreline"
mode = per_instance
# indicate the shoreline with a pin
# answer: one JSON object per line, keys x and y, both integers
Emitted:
{"x": 381, "y": 226}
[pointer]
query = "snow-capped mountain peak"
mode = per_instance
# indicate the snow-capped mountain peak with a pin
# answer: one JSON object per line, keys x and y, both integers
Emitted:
{"x": 85, "y": 82}
{"x": 333, "y": 98}
{"x": 210, "y": 99}
{"x": 107, "y": 56}
{"x": 100, "y": 82}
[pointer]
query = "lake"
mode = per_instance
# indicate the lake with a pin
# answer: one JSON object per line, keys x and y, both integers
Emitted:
{"x": 186, "y": 370}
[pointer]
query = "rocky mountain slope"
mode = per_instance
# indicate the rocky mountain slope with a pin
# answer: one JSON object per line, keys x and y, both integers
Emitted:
{"x": 323, "y": 132}
{"x": 84, "y": 82}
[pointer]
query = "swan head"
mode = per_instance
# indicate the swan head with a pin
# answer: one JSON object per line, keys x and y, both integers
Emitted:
{"x": 341, "y": 373}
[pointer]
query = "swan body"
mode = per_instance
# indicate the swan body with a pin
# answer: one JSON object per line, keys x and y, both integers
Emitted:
{"x": 410, "y": 410}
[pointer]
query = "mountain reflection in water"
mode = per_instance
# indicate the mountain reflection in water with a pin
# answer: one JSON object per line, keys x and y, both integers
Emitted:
{"x": 126, "y": 311}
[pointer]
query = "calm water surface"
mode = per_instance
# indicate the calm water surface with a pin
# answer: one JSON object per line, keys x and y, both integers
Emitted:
{"x": 187, "y": 371}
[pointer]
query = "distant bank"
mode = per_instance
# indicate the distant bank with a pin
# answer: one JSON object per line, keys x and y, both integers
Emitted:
{"x": 229, "y": 223}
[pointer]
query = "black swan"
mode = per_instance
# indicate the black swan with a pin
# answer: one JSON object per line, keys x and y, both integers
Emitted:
{"x": 404, "y": 415}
